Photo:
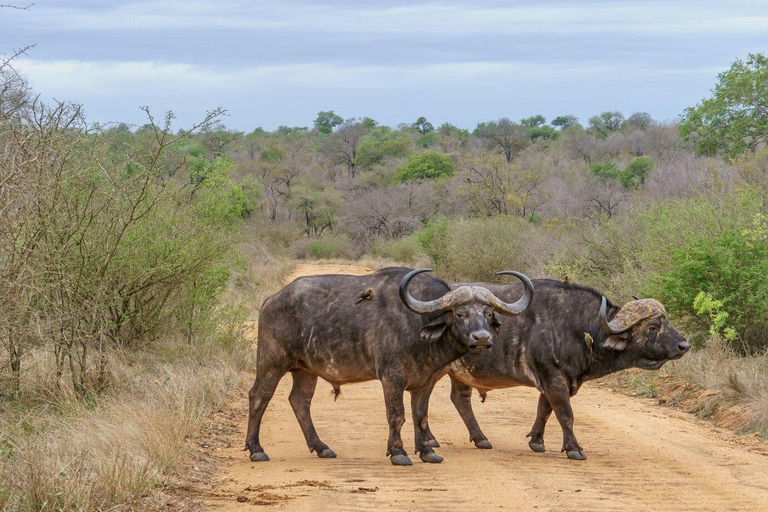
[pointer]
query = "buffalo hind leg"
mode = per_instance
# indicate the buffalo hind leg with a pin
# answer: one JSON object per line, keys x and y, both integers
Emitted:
{"x": 537, "y": 431}
{"x": 393, "y": 399}
{"x": 420, "y": 411}
{"x": 461, "y": 396}
{"x": 559, "y": 398}
{"x": 261, "y": 393}
{"x": 303, "y": 390}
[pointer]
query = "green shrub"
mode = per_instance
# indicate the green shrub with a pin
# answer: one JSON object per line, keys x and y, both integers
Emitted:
{"x": 675, "y": 250}
{"x": 323, "y": 248}
{"x": 637, "y": 172}
{"x": 475, "y": 249}
{"x": 427, "y": 165}
{"x": 383, "y": 142}
{"x": 731, "y": 268}
{"x": 633, "y": 176}
{"x": 104, "y": 252}
{"x": 433, "y": 239}
{"x": 605, "y": 171}
{"x": 407, "y": 250}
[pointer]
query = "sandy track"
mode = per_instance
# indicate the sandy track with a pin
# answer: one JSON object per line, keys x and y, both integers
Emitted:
{"x": 640, "y": 456}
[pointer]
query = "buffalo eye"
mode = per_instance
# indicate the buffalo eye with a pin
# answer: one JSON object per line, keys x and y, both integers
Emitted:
{"x": 461, "y": 315}
{"x": 653, "y": 328}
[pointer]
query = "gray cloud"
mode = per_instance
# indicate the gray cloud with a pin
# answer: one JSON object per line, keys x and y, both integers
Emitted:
{"x": 272, "y": 63}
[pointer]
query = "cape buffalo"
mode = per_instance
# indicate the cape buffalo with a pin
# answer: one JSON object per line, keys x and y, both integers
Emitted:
{"x": 570, "y": 334}
{"x": 347, "y": 329}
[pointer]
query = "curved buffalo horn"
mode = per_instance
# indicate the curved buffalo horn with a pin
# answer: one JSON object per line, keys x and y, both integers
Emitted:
{"x": 604, "y": 321}
{"x": 522, "y": 303}
{"x": 415, "y": 305}
{"x": 464, "y": 295}
{"x": 630, "y": 314}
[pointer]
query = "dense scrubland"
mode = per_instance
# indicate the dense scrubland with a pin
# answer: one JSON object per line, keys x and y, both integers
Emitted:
{"x": 130, "y": 257}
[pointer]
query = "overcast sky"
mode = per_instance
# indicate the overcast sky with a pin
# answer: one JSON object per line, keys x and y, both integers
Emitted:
{"x": 280, "y": 62}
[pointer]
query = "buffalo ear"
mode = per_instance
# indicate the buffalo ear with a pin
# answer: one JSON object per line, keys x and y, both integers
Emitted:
{"x": 495, "y": 324}
{"x": 617, "y": 341}
{"x": 435, "y": 329}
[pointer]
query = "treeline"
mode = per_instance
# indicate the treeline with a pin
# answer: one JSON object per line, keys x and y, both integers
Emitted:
{"x": 629, "y": 204}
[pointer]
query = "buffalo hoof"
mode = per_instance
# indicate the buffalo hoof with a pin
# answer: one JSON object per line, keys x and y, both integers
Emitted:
{"x": 576, "y": 455}
{"x": 536, "y": 446}
{"x": 431, "y": 457}
{"x": 327, "y": 454}
{"x": 259, "y": 457}
{"x": 400, "y": 460}
{"x": 433, "y": 443}
{"x": 484, "y": 444}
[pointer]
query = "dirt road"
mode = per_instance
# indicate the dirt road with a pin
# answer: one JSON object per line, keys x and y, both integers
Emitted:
{"x": 640, "y": 456}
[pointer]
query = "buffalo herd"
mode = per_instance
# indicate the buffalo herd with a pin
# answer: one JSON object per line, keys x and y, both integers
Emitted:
{"x": 408, "y": 329}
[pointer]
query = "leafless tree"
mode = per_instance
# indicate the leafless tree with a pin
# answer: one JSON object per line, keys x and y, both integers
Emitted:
{"x": 605, "y": 197}
{"x": 389, "y": 214}
{"x": 582, "y": 144}
{"x": 492, "y": 186}
{"x": 342, "y": 145}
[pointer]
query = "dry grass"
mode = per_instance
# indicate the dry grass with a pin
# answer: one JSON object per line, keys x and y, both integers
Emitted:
{"x": 711, "y": 382}
{"x": 95, "y": 455}
{"x": 736, "y": 380}
{"x": 119, "y": 450}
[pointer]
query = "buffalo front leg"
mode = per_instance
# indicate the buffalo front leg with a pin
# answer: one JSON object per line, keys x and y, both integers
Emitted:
{"x": 261, "y": 393}
{"x": 303, "y": 390}
{"x": 461, "y": 396}
{"x": 559, "y": 397}
{"x": 393, "y": 399}
{"x": 537, "y": 431}
{"x": 433, "y": 442}
{"x": 422, "y": 436}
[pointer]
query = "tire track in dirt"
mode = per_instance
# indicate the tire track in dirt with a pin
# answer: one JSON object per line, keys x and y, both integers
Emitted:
{"x": 640, "y": 456}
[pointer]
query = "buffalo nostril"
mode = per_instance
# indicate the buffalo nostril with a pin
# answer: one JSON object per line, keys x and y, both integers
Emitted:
{"x": 482, "y": 337}
{"x": 683, "y": 346}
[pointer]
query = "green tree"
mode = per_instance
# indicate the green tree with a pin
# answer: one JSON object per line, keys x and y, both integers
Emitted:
{"x": 735, "y": 118}
{"x": 636, "y": 172}
{"x": 632, "y": 176}
{"x": 427, "y": 165}
{"x": 326, "y": 121}
{"x": 423, "y": 126}
{"x": 607, "y": 123}
{"x": 538, "y": 128}
{"x": 272, "y": 153}
{"x": 605, "y": 171}
{"x": 563, "y": 122}
{"x": 383, "y": 142}
{"x": 533, "y": 121}
{"x": 504, "y": 134}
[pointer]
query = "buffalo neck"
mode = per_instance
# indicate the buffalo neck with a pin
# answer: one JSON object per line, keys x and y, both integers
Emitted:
{"x": 604, "y": 360}
{"x": 439, "y": 353}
